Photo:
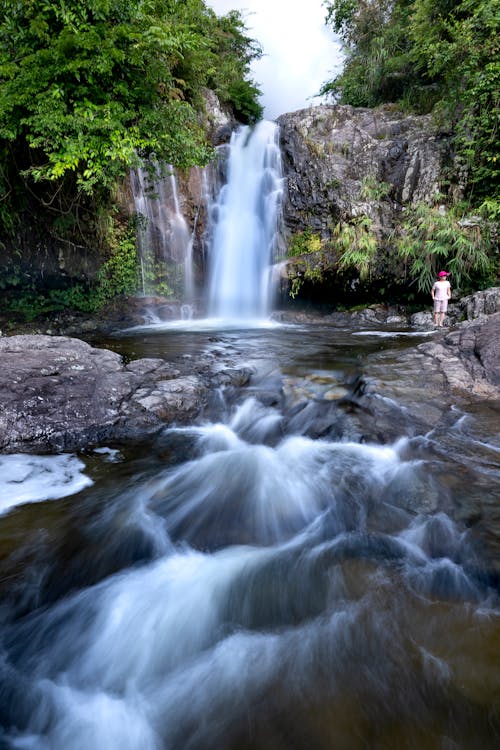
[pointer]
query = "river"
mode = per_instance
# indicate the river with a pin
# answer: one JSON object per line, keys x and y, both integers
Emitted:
{"x": 256, "y": 581}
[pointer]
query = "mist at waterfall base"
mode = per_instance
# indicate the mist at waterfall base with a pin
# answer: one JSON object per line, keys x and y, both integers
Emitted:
{"x": 239, "y": 584}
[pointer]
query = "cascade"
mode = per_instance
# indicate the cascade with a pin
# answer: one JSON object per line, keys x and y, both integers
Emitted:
{"x": 163, "y": 236}
{"x": 245, "y": 226}
{"x": 243, "y": 229}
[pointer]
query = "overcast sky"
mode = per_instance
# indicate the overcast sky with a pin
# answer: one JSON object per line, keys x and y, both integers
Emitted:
{"x": 300, "y": 52}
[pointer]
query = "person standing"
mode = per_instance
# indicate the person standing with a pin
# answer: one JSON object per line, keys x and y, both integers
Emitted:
{"x": 441, "y": 293}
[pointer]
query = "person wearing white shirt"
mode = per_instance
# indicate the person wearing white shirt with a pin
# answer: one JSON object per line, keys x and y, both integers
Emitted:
{"x": 441, "y": 293}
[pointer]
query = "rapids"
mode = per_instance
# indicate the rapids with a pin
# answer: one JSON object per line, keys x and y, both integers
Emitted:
{"x": 241, "y": 584}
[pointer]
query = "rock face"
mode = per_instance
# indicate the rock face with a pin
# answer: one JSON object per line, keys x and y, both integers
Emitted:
{"x": 469, "y": 358}
{"x": 60, "y": 393}
{"x": 335, "y": 156}
{"x": 486, "y": 302}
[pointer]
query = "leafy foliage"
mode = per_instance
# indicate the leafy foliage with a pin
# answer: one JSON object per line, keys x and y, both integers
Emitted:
{"x": 440, "y": 55}
{"x": 87, "y": 86}
{"x": 433, "y": 238}
{"x": 304, "y": 242}
{"x": 92, "y": 88}
{"x": 357, "y": 244}
{"x": 374, "y": 189}
{"x": 306, "y": 246}
{"x": 117, "y": 276}
{"x": 352, "y": 247}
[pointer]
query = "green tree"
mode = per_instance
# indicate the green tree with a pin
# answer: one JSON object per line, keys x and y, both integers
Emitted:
{"x": 378, "y": 65}
{"x": 459, "y": 46}
{"x": 92, "y": 88}
{"x": 89, "y": 86}
{"x": 428, "y": 55}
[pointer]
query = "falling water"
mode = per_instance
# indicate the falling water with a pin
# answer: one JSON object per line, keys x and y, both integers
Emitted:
{"x": 182, "y": 240}
{"x": 245, "y": 226}
{"x": 164, "y": 237}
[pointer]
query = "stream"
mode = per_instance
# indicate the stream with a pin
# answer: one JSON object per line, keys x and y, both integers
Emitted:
{"x": 255, "y": 581}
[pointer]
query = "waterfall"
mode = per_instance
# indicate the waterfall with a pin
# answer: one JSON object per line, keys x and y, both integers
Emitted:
{"x": 245, "y": 222}
{"x": 242, "y": 234}
{"x": 163, "y": 235}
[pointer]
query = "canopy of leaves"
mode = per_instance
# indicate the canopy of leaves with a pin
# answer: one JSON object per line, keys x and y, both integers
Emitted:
{"x": 440, "y": 55}
{"x": 88, "y": 87}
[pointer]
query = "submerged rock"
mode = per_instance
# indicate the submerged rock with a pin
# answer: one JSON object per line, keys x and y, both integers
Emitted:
{"x": 60, "y": 393}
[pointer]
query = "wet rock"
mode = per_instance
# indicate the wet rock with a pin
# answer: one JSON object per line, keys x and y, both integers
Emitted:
{"x": 422, "y": 320}
{"x": 218, "y": 121}
{"x": 469, "y": 358}
{"x": 419, "y": 389}
{"x": 60, "y": 393}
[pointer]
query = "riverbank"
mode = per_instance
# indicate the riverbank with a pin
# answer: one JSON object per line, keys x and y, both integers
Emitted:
{"x": 133, "y": 311}
{"x": 59, "y": 393}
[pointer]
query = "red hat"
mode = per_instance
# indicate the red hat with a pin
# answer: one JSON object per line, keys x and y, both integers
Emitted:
{"x": 443, "y": 273}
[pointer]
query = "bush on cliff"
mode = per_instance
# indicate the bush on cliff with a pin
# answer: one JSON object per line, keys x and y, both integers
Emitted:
{"x": 92, "y": 88}
{"x": 428, "y": 55}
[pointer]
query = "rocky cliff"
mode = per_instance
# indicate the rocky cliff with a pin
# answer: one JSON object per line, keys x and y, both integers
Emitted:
{"x": 341, "y": 162}
{"x": 348, "y": 167}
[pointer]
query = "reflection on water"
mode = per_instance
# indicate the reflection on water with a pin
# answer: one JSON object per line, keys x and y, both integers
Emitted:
{"x": 240, "y": 585}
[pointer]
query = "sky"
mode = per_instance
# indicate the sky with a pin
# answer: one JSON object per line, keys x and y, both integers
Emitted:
{"x": 300, "y": 52}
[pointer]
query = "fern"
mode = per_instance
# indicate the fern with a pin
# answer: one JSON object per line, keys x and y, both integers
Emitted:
{"x": 432, "y": 238}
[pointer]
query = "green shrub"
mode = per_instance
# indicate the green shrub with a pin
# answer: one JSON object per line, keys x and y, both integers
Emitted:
{"x": 117, "y": 276}
{"x": 304, "y": 242}
{"x": 434, "y": 237}
{"x": 357, "y": 245}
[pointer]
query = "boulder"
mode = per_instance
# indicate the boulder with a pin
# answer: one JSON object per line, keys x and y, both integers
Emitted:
{"x": 470, "y": 357}
{"x": 60, "y": 393}
{"x": 341, "y": 162}
{"x": 485, "y": 302}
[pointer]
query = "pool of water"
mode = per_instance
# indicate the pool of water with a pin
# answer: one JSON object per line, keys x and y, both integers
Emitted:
{"x": 240, "y": 584}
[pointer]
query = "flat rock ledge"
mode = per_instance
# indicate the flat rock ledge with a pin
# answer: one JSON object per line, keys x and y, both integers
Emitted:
{"x": 469, "y": 358}
{"x": 61, "y": 394}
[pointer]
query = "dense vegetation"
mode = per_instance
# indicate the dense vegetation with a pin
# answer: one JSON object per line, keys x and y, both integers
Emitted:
{"x": 425, "y": 56}
{"x": 91, "y": 88}
{"x": 429, "y": 55}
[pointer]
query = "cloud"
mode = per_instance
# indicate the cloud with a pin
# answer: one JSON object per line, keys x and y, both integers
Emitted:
{"x": 300, "y": 52}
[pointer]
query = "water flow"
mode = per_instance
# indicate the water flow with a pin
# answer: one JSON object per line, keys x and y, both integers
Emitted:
{"x": 275, "y": 582}
{"x": 246, "y": 223}
{"x": 164, "y": 237}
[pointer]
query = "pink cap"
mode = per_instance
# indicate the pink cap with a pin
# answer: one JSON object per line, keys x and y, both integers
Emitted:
{"x": 443, "y": 273}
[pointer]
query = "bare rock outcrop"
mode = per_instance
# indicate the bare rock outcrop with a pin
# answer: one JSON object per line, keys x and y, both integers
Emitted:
{"x": 60, "y": 393}
{"x": 335, "y": 156}
{"x": 469, "y": 358}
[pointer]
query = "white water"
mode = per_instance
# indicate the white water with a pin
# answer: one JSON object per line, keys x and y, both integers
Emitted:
{"x": 243, "y": 233}
{"x": 302, "y": 592}
{"x": 33, "y": 479}
{"x": 246, "y": 226}
{"x": 163, "y": 237}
